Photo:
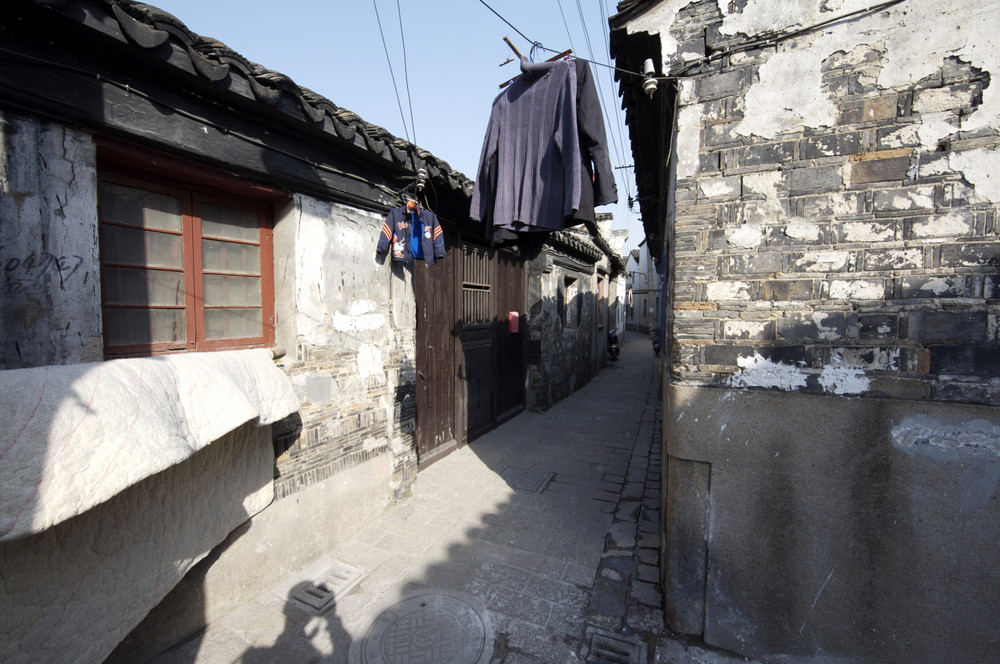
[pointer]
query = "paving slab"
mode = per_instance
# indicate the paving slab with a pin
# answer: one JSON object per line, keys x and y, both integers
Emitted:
{"x": 536, "y": 543}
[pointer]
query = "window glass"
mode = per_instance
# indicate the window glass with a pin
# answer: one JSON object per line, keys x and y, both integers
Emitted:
{"x": 232, "y": 323}
{"x": 228, "y": 223}
{"x": 181, "y": 270}
{"x": 130, "y": 286}
{"x": 217, "y": 256}
{"x": 124, "y": 327}
{"x": 136, "y": 207}
{"x": 132, "y": 246}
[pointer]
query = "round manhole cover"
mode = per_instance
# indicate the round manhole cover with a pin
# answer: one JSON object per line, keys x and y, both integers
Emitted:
{"x": 430, "y": 627}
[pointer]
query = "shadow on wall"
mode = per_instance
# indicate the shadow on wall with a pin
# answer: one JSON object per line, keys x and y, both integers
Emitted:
{"x": 493, "y": 558}
{"x": 831, "y": 525}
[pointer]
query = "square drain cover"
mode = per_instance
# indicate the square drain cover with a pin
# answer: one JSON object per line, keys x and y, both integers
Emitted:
{"x": 319, "y": 594}
{"x": 610, "y": 648}
{"x": 520, "y": 479}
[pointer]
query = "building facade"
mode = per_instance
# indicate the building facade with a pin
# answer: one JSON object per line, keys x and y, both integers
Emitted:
{"x": 829, "y": 213}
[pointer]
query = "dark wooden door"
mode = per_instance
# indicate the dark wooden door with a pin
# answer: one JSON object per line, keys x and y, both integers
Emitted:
{"x": 478, "y": 317}
{"x": 436, "y": 381}
{"x": 492, "y": 351}
{"x": 510, "y": 346}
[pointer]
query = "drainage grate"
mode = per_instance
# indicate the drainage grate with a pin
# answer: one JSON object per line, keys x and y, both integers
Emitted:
{"x": 520, "y": 479}
{"x": 609, "y": 648}
{"x": 318, "y": 595}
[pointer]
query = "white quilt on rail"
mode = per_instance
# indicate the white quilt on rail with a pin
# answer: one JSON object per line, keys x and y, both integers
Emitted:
{"x": 73, "y": 436}
{"x": 115, "y": 479}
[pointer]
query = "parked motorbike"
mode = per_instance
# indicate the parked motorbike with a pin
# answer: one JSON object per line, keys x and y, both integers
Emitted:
{"x": 613, "y": 348}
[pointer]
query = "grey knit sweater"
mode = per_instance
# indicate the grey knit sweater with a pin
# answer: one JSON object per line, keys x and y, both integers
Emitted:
{"x": 529, "y": 175}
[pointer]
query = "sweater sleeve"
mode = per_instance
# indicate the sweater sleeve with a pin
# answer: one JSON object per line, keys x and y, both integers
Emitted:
{"x": 385, "y": 237}
{"x": 568, "y": 141}
{"x": 484, "y": 189}
{"x": 594, "y": 139}
{"x": 438, "y": 236}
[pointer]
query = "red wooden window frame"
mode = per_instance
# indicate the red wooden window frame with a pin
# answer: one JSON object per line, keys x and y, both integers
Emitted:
{"x": 196, "y": 186}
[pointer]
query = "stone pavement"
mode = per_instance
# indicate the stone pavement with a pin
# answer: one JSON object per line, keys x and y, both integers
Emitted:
{"x": 536, "y": 543}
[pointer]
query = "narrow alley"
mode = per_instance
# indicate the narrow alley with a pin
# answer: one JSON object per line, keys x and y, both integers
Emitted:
{"x": 538, "y": 542}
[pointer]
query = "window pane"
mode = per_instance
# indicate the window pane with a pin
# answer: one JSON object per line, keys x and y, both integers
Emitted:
{"x": 143, "y": 287}
{"x": 132, "y": 246}
{"x": 223, "y": 290}
{"x": 142, "y": 326}
{"x": 219, "y": 256}
{"x": 218, "y": 221}
{"x": 233, "y": 323}
{"x": 136, "y": 207}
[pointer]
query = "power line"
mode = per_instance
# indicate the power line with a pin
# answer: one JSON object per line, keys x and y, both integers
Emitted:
{"x": 392, "y": 74}
{"x": 406, "y": 71}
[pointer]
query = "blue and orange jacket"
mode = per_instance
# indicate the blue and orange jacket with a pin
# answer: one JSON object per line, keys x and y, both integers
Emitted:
{"x": 397, "y": 229}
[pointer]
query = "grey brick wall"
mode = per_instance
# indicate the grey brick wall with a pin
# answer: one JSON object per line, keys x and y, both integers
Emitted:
{"x": 838, "y": 246}
{"x": 336, "y": 433}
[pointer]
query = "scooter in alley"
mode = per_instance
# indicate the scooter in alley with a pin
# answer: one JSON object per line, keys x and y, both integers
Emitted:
{"x": 613, "y": 349}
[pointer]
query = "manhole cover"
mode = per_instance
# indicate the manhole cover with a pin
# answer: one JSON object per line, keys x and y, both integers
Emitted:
{"x": 521, "y": 479}
{"x": 431, "y": 627}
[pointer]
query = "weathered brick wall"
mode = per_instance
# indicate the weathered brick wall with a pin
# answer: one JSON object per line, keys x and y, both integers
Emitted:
{"x": 347, "y": 321}
{"x": 845, "y": 257}
{"x": 327, "y": 437}
{"x": 561, "y": 331}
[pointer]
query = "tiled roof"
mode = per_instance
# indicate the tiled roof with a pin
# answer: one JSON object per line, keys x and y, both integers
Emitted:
{"x": 150, "y": 28}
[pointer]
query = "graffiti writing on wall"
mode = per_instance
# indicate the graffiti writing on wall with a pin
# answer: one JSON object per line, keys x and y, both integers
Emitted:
{"x": 32, "y": 273}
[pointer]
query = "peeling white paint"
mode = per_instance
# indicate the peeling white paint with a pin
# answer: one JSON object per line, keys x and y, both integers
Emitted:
{"x": 744, "y": 329}
{"x": 857, "y": 289}
{"x": 370, "y": 361}
{"x": 747, "y": 236}
{"x": 982, "y": 169}
{"x": 942, "y": 226}
{"x": 932, "y": 436}
{"x": 802, "y": 229}
{"x": 913, "y": 38}
{"x": 727, "y": 290}
{"x": 819, "y": 319}
{"x": 688, "y": 140}
{"x": 759, "y": 372}
{"x": 844, "y": 380}
{"x": 654, "y": 20}
{"x": 867, "y": 231}
{"x": 361, "y": 317}
{"x": 937, "y": 285}
{"x": 713, "y": 187}
{"x": 823, "y": 261}
{"x": 776, "y": 105}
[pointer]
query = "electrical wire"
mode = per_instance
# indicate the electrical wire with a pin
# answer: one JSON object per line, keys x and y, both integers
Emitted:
{"x": 406, "y": 71}
{"x": 392, "y": 74}
{"x": 619, "y": 151}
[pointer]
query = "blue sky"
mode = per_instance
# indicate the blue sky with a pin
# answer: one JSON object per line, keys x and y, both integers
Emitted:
{"x": 453, "y": 51}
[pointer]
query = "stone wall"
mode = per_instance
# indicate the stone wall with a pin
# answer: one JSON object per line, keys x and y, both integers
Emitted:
{"x": 348, "y": 326}
{"x": 830, "y": 419}
{"x": 345, "y": 320}
{"x": 562, "y": 324}
{"x": 836, "y": 224}
{"x": 48, "y": 245}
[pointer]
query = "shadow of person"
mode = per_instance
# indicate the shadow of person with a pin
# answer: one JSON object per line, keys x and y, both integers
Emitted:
{"x": 310, "y": 635}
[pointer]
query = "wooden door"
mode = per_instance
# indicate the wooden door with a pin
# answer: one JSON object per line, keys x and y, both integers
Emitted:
{"x": 436, "y": 383}
{"x": 493, "y": 288}
{"x": 478, "y": 318}
{"x": 510, "y": 346}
